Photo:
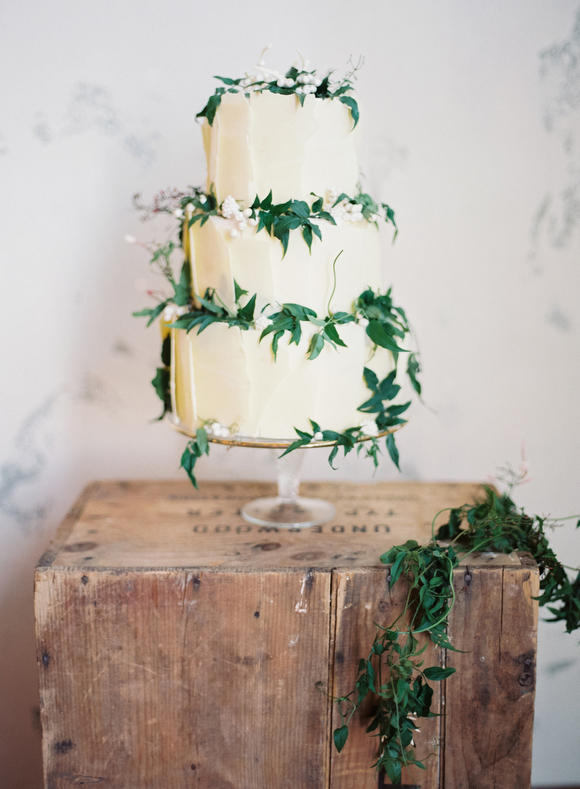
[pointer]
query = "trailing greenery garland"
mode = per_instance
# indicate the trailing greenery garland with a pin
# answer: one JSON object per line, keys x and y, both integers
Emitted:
{"x": 393, "y": 673}
{"x": 277, "y": 219}
{"x": 385, "y": 324}
{"x": 299, "y": 82}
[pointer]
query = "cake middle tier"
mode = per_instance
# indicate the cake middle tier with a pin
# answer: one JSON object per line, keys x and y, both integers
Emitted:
{"x": 310, "y": 278}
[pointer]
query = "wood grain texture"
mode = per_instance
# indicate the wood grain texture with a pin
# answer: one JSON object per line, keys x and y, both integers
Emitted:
{"x": 169, "y": 524}
{"x": 179, "y": 646}
{"x": 179, "y": 679}
{"x": 363, "y": 598}
{"x": 489, "y": 701}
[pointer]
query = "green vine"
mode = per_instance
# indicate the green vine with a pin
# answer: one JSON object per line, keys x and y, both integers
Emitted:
{"x": 195, "y": 448}
{"x": 277, "y": 219}
{"x": 161, "y": 380}
{"x": 392, "y": 675}
{"x": 297, "y": 81}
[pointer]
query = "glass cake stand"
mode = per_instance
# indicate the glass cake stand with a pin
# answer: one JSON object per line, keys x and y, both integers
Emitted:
{"x": 287, "y": 510}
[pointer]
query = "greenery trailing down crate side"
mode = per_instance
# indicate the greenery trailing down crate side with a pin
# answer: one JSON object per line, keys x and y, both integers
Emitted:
{"x": 393, "y": 674}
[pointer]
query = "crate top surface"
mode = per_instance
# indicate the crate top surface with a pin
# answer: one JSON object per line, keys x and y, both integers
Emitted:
{"x": 166, "y": 524}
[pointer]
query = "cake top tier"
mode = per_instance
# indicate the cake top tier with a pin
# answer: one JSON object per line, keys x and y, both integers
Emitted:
{"x": 289, "y": 133}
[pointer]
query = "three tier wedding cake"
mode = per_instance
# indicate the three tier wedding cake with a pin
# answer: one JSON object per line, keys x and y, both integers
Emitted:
{"x": 278, "y": 325}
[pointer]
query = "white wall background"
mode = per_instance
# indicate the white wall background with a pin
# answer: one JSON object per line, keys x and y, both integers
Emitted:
{"x": 472, "y": 132}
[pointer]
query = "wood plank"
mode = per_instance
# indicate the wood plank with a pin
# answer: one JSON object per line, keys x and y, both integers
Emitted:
{"x": 489, "y": 702}
{"x": 363, "y": 598}
{"x": 169, "y": 524}
{"x": 156, "y": 679}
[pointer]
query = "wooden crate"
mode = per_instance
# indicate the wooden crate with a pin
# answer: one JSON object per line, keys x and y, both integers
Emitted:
{"x": 179, "y": 646}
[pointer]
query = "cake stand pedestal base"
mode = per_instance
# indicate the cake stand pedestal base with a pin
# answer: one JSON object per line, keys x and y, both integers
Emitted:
{"x": 288, "y": 509}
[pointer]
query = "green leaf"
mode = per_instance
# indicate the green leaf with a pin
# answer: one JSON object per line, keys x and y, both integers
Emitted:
{"x": 202, "y": 442}
{"x": 437, "y": 673}
{"x": 210, "y": 108}
{"x": 392, "y": 450}
{"x": 160, "y": 383}
{"x": 151, "y": 312}
{"x": 340, "y": 737}
{"x": 378, "y": 334}
{"x": 246, "y": 313}
{"x": 353, "y": 107}
{"x": 413, "y": 370}
{"x": 317, "y": 205}
{"x": 370, "y": 378}
{"x": 238, "y": 292}
{"x": 316, "y": 345}
{"x": 166, "y": 351}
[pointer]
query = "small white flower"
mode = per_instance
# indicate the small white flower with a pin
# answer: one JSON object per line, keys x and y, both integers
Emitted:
{"x": 229, "y": 207}
{"x": 289, "y": 82}
{"x": 262, "y": 322}
{"x": 281, "y": 82}
{"x": 300, "y": 91}
{"x": 247, "y": 212}
{"x": 369, "y": 428}
{"x": 252, "y": 221}
{"x": 318, "y": 436}
{"x": 233, "y": 233}
{"x": 172, "y": 312}
{"x": 218, "y": 430}
{"x": 178, "y": 213}
{"x": 129, "y": 239}
{"x": 302, "y": 79}
{"x": 202, "y": 198}
{"x": 363, "y": 322}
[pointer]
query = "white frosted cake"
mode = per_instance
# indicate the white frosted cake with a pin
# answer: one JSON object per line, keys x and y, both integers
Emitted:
{"x": 279, "y": 325}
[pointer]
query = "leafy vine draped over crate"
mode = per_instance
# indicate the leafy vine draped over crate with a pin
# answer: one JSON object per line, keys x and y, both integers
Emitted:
{"x": 393, "y": 674}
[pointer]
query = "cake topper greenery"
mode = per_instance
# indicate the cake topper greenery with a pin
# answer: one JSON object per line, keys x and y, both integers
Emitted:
{"x": 393, "y": 675}
{"x": 301, "y": 80}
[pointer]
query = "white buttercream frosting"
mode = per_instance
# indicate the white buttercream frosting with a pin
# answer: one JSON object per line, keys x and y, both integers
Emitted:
{"x": 225, "y": 376}
{"x": 268, "y": 141}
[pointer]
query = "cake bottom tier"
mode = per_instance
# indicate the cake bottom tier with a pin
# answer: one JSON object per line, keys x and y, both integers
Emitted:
{"x": 225, "y": 374}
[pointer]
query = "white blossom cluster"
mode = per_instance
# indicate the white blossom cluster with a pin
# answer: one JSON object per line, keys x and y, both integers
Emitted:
{"x": 307, "y": 83}
{"x": 239, "y": 218}
{"x": 345, "y": 211}
{"x": 191, "y": 207}
{"x": 172, "y": 312}
{"x": 217, "y": 430}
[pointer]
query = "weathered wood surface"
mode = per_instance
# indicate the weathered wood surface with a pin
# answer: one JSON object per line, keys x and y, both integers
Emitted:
{"x": 489, "y": 707}
{"x": 178, "y": 679}
{"x": 179, "y": 646}
{"x": 169, "y": 524}
{"x": 363, "y": 598}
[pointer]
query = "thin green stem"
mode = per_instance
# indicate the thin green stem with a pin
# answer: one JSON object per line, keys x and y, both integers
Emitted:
{"x": 333, "y": 283}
